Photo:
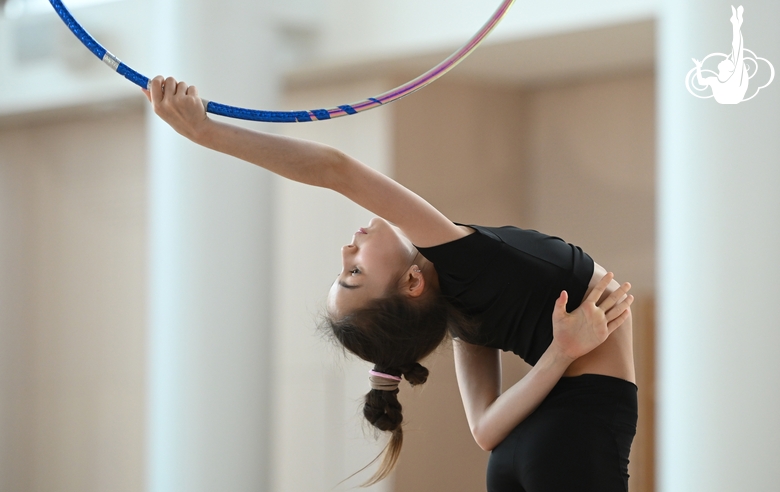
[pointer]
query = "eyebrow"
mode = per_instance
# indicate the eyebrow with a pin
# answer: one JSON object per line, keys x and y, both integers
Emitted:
{"x": 347, "y": 286}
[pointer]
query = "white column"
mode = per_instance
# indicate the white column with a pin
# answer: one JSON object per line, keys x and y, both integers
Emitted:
{"x": 719, "y": 237}
{"x": 209, "y": 372}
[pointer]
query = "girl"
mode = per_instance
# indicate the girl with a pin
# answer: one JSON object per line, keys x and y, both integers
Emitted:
{"x": 411, "y": 276}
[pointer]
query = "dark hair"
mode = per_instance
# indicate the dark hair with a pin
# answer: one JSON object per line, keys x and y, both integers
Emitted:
{"x": 395, "y": 332}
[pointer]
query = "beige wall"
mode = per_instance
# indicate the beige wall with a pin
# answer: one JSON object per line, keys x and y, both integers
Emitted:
{"x": 72, "y": 323}
{"x": 593, "y": 179}
{"x": 574, "y": 160}
{"x": 15, "y": 313}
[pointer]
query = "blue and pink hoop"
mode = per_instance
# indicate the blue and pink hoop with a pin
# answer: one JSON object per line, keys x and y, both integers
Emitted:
{"x": 292, "y": 116}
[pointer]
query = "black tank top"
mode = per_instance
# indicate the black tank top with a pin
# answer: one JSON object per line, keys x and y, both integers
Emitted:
{"x": 508, "y": 280}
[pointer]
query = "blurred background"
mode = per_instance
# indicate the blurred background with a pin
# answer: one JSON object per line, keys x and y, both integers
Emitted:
{"x": 159, "y": 302}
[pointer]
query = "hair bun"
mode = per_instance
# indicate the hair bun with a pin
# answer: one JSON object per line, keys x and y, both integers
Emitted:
{"x": 415, "y": 373}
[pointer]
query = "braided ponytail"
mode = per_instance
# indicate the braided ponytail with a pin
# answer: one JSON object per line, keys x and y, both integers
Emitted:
{"x": 383, "y": 410}
{"x": 394, "y": 333}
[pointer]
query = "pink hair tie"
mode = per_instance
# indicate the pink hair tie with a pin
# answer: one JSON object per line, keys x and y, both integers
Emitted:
{"x": 383, "y": 375}
{"x": 383, "y": 382}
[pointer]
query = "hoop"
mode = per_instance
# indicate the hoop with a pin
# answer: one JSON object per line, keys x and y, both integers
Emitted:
{"x": 291, "y": 116}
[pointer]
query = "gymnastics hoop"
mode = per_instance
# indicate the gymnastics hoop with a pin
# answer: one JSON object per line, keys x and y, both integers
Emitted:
{"x": 291, "y": 116}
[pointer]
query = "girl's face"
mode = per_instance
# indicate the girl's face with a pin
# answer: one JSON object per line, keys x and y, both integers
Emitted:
{"x": 376, "y": 260}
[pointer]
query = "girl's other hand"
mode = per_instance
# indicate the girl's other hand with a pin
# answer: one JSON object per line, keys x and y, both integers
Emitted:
{"x": 178, "y": 105}
{"x": 588, "y": 326}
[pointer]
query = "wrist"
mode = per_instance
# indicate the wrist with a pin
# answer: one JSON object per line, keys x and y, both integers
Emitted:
{"x": 559, "y": 356}
{"x": 201, "y": 132}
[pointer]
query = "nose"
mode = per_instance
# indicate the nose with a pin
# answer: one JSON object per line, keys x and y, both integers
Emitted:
{"x": 346, "y": 252}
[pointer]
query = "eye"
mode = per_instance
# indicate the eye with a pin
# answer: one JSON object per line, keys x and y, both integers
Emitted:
{"x": 355, "y": 271}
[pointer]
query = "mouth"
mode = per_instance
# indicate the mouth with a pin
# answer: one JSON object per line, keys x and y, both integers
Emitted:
{"x": 361, "y": 231}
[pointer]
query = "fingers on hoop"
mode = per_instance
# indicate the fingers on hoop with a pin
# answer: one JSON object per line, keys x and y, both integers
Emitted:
{"x": 156, "y": 89}
{"x": 168, "y": 88}
{"x": 162, "y": 87}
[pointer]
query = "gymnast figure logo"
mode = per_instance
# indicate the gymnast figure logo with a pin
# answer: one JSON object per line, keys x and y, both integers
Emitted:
{"x": 735, "y": 71}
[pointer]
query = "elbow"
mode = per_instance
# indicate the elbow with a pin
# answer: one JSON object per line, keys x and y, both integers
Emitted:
{"x": 486, "y": 446}
{"x": 483, "y": 439}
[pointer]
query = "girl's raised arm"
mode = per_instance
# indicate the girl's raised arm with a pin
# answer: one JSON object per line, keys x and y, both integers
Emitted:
{"x": 303, "y": 161}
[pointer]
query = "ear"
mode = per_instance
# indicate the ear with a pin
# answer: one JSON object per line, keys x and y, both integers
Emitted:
{"x": 414, "y": 282}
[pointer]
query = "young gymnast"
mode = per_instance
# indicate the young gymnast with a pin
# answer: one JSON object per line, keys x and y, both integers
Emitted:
{"x": 412, "y": 276}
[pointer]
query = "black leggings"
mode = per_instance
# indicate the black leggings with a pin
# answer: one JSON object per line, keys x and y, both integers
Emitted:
{"x": 577, "y": 440}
